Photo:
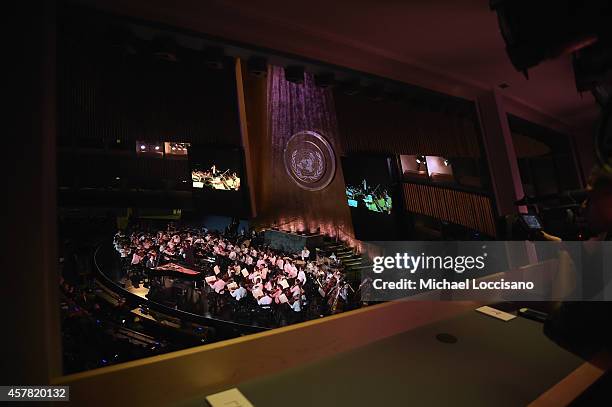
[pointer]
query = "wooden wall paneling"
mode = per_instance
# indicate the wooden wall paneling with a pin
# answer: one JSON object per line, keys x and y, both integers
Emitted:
{"x": 463, "y": 208}
{"x": 292, "y": 108}
{"x": 403, "y": 128}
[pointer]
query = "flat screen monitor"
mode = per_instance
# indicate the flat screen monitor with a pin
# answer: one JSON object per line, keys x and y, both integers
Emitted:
{"x": 218, "y": 180}
{"x": 368, "y": 184}
{"x": 371, "y": 196}
{"x": 532, "y": 222}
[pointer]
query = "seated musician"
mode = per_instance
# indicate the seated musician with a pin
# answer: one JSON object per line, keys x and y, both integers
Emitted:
{"x": 152, "y": 260}
{"x": 296, "y": 306}
{"x": 169, "y": 249}
{"x": 301, "y": 276}
{"x": 239, "y": 293}
{"x": 290, "y": 270}
{"x": 137, "y": 257}
{"x": 265, "y": 300}
{"x": 124, "y": 251}
{"x": 268, "y": 286}
{"x": 276, "y": 294}
{"x": 344, "y": 292}
{"x": 296, "y": 290}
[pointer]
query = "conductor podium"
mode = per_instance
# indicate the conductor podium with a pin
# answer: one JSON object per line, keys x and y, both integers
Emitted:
{"x": 292, "y": 242}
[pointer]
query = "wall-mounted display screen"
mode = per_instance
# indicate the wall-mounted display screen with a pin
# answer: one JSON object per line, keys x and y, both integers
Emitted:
{"x": 374, "y": 197}
{"x": 215, "y": 178}
{"x": 215, "y": 168}
{"x": 368, "y": 183}
{"x": 218, "y": 180}
{"x": 371, "y": 195}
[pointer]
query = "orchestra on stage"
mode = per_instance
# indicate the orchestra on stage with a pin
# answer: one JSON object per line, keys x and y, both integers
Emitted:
{"x": 238, "y": 278}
